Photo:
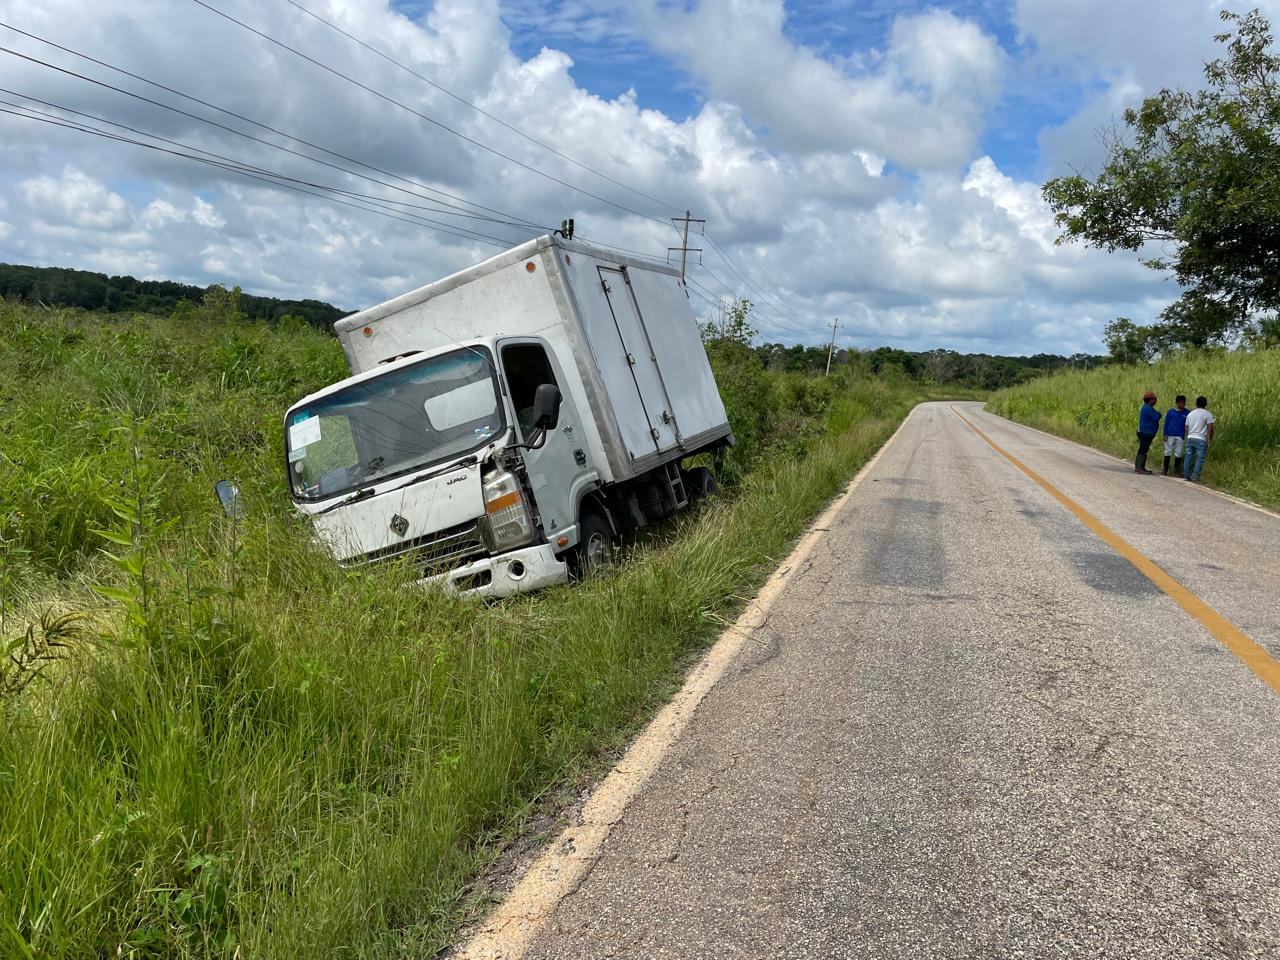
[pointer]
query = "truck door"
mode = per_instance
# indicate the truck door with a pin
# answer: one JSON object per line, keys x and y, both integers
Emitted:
{"x": 645, "y": 372}
{"x": 560, "y": 465}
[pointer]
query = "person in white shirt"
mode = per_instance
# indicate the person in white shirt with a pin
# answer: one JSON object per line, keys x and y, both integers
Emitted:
{"x": 1199, "y": 433}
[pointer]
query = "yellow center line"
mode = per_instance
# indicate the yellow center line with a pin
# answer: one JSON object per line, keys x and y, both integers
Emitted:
{"x": 1228, "y": 634}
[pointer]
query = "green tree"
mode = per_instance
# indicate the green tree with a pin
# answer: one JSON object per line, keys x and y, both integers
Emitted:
{"x": 1128, "y": 342}
{"x": 1196, "y": 176}
{"x": 1194, "y": 320}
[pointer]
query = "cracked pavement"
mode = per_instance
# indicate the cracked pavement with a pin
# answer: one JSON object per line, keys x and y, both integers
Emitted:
{"x": 970, "y": 729}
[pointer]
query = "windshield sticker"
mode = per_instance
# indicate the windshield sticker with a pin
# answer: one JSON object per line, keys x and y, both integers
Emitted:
{"x": 304, "y": 433}
{"x": 297, "y": 453}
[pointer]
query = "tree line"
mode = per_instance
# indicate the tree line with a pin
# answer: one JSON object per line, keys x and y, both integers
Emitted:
{"x": 64, "y": 287}
{"x": 978, "y": 371}
{"x": 731, "y": 332}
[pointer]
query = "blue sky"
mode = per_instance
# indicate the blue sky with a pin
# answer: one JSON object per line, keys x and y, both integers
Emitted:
{"x": 872, "y": 160}
{"x": 609, "y": 64}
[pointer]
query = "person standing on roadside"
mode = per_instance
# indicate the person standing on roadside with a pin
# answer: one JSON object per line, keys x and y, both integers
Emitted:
{"x": 1148, "y": 427}
{"x": 1175, "y": 433}
{"x": 1199, "y": 433}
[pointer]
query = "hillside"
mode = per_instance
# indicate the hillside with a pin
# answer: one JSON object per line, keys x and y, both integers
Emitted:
{"x": 1100, "y": 408}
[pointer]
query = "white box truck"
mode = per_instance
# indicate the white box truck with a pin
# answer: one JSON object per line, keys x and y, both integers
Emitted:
{"x": 504, "y": 425}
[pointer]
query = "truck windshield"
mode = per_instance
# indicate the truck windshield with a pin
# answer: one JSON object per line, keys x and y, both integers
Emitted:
{"x": 417, "y": 415}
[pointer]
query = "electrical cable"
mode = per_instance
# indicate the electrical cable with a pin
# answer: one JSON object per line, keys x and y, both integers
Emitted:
{"x": 511, "y": 218}
{"x": 508, "y": 219}
{"x": 442, "y": 206}
{"x": 741, "y": 275}
{"x": 484, "y": 113}
{"x": 403, "y": 106}
{"x": 240, "y": 164}
{"x": 106, "y": 135}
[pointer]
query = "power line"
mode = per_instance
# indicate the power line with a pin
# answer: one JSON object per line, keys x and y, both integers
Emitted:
{"x": 506, "y": 218}
{"x": 234, "y": 165}
{"x": 776, "y": 320}
{"x": 484, "y": 113}
{"x": 106, "y": 135}
{"x": 231, "y": 113}
{"x": 441, "y": 210}
{"x": 796, "y": 325}
{"x": 239, "y": 163}
{"x": 740, "y": 274}
{"x": 718, "y": 300}
{"x": 419, "y": 114}
{"x": 511, "y": 220}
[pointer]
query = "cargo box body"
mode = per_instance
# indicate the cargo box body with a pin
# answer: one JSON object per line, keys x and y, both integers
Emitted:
{"x": 621, "y": 327}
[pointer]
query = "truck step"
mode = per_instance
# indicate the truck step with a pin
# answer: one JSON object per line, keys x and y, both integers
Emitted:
{"x": 675, "y": 479}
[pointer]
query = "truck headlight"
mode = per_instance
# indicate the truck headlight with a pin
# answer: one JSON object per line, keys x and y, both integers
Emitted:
{"x": 506, "y": 522}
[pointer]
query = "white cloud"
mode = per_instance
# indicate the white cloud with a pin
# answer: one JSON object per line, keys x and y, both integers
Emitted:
{"x": 853, "y": 186}
{"x": 75, "y": 200}
{"x": 917, "y": 103}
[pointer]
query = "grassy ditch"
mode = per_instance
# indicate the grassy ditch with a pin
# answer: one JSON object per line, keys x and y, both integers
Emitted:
{"x": 241, "y": 747}
{"x": 1100, "y": 408}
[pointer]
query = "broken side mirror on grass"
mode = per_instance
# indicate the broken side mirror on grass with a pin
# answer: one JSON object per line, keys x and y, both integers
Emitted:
{"x": 229, "y": 496}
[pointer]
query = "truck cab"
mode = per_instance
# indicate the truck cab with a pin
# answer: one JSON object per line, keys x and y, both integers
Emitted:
{"x": 496, "y": 464}
{"x": 440, "y": 459}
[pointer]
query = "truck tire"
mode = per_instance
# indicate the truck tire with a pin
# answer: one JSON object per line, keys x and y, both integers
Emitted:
{"x": 594, "y": 553}
{"x": 700, "y": 483}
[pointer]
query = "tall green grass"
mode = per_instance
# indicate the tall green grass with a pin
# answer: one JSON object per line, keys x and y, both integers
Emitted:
{"x": 249, "y": 750}
{"x": 1100, "y": 408}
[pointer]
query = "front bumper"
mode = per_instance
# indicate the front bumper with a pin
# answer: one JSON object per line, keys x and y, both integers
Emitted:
{"x": 508, "y": 574}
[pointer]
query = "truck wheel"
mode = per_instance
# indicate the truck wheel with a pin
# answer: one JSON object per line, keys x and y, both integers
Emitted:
{"x": 594, "y": 552}
{"x": 700, "y": 482}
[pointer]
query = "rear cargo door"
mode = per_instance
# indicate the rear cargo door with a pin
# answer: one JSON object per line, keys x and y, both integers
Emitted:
{"x": 638, "y": 353}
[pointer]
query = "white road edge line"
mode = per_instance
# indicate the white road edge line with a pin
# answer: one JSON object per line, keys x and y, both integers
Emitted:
{"x": 510, "y": 929}
{"x": 1240, "y": 501}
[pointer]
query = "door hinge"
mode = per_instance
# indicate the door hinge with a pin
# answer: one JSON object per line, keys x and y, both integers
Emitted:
{"x": 631, "y": 359}
{"x": 654, "y": 432}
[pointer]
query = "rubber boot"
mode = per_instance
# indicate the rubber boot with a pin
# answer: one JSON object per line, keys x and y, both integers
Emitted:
{"x": 1177, "y": 465}
{"x": 1166, "y": 466}
{"x": 1140, "y": 464}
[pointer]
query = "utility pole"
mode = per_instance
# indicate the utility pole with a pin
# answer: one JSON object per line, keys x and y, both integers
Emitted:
{"x": 684, "y": 247}
{"x": 832, "y": 349}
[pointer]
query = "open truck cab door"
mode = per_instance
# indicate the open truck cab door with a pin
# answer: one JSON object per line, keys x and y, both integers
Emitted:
{"x": 556, "y": 461}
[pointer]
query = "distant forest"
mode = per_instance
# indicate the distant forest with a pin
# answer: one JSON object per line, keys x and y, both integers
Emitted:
{"x": 978, "y": 371}
{"x": 61, "y": 287}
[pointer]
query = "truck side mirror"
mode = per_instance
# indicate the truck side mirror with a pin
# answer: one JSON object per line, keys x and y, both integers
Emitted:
{"x": 546, "y": 412}
{"x": 546, "y": 406}
{"x": 229, "y": 496}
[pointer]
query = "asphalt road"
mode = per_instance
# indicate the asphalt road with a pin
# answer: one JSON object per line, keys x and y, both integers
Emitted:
{"x": 971, "y": 729}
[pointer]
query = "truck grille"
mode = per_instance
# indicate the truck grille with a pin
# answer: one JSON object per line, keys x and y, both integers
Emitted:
{"x": 435, "y": 553}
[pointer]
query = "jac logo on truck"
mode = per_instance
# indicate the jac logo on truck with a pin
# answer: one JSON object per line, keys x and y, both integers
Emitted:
{"x": 458, "y": 479}
{"x": 399, "y": 525}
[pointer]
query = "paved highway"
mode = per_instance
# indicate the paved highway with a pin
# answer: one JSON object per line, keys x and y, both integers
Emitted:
{"x": 969, "y": 727}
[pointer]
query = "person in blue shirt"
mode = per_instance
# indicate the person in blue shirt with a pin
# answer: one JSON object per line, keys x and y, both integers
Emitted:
{"x": 1148, "y": 427}
{"x": 1175, "y": 434}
